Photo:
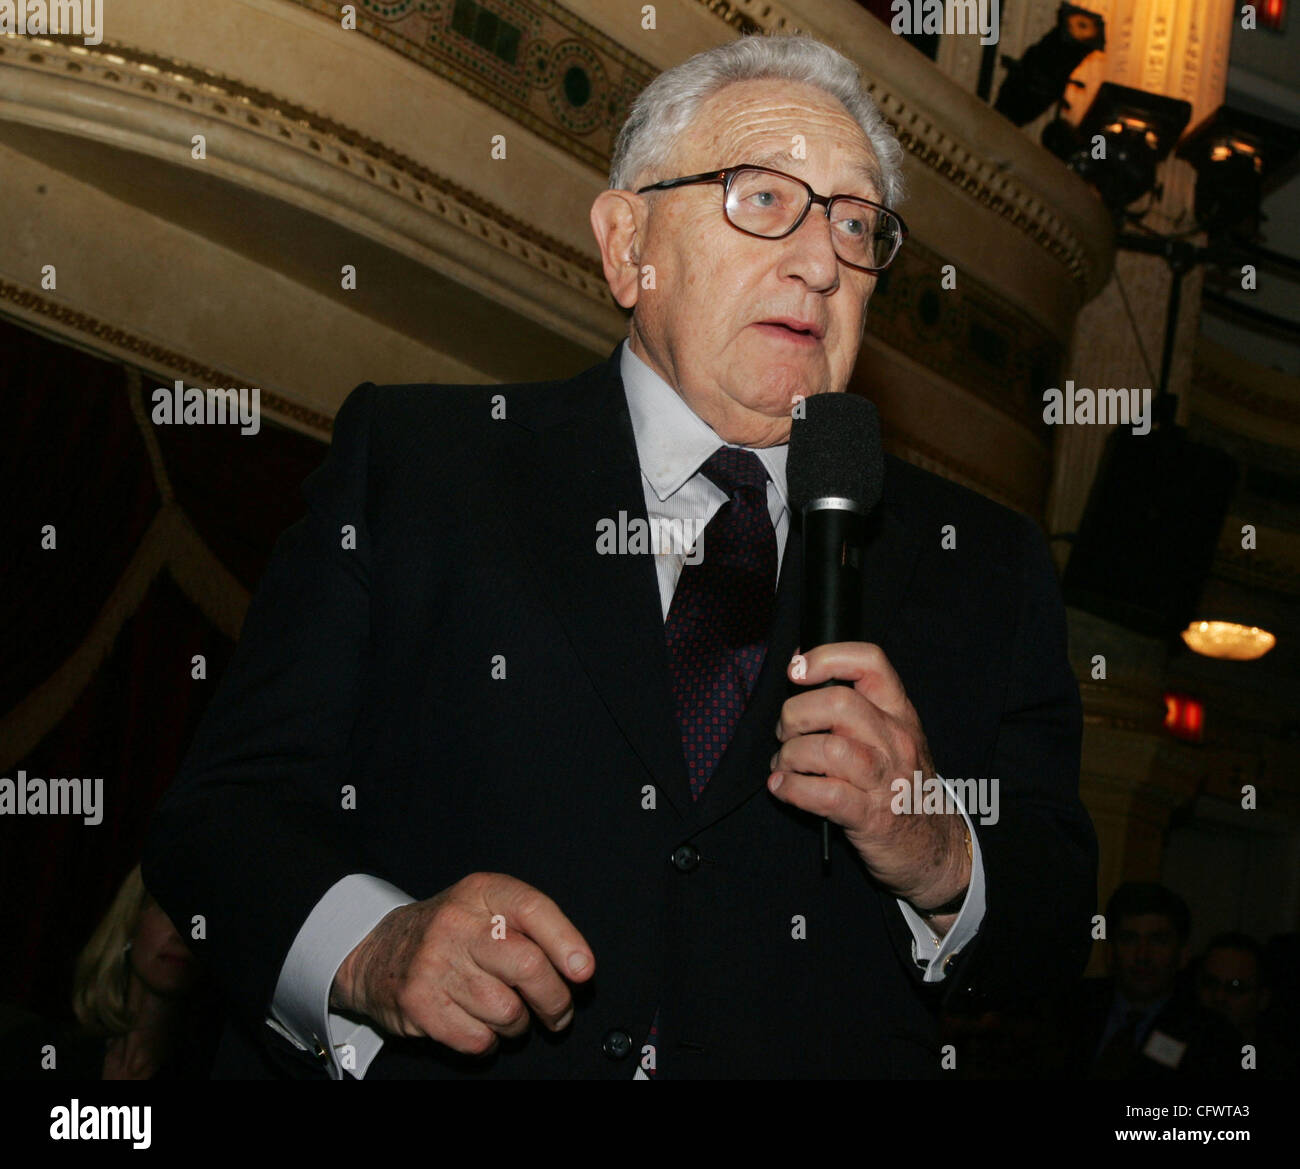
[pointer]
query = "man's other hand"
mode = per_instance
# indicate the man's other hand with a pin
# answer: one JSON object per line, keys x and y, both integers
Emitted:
{"x": 465, "y": 966}
{"x": 842, "y": 749}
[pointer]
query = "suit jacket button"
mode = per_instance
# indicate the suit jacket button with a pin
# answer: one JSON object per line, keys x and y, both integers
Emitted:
{"x": 686, "y": 858}
{"x": 616, "y": 1044}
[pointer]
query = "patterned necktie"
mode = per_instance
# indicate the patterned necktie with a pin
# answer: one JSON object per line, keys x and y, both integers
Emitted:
{"x": 719, "y": 621}
{"x": 721, "y": 613}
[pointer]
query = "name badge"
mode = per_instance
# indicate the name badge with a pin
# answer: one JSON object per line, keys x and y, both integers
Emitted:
{"x": 1164, "y": 1049}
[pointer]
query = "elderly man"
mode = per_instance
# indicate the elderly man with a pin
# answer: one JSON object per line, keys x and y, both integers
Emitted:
{"x": 478, "y": 798}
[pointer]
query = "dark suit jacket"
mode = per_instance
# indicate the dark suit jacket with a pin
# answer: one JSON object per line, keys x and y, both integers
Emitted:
{"x": 475, "y": 537}
{"x": 1213, "y": 1047}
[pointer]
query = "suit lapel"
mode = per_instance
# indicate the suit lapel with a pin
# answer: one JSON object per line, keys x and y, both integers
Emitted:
{"x": 888, "y": 561}
{"x": 575, "y": 466}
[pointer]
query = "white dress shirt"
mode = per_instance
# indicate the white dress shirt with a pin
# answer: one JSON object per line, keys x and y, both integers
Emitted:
{"x": 672, "y": 444}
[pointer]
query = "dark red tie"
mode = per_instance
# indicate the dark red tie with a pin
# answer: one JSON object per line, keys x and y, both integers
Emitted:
{"x": 721, "y": 613}
{"x": 719, "y": 620}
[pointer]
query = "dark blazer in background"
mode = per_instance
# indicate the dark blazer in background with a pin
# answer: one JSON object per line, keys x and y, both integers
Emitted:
{"x": 1213, "y": 1048}
{"x": 476, "y": 537}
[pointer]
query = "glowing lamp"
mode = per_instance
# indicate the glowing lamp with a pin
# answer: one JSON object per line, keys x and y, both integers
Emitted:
{"x": 1227, "y": 640}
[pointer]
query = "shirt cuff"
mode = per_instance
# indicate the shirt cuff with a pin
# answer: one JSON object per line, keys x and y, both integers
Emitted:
{"x": 929, "y": 951}
{"x": 300, "y": 1010}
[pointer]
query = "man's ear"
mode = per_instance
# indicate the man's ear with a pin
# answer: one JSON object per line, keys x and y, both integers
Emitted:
{"x": 616, "y": 219}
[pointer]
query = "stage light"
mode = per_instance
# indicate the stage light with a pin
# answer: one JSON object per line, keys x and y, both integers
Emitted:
{"x": 1227, "y": 640}
{"x": 1124, "y": 135}
{"x": 1235, "y": 154}
{"x": 1038, "y": 80}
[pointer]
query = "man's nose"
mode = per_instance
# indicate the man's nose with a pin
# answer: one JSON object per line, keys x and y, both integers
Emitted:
{"x": 809, "y": 253}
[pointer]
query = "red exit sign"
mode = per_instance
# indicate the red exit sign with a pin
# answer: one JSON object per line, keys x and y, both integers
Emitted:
{"x": 1184, "y": 717}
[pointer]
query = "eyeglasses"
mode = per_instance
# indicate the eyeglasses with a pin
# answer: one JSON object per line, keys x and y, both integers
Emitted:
{"x": 771, "y": 205}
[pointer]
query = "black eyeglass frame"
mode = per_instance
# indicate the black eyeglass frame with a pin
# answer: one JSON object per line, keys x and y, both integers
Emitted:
{"x": 727, "y": 176}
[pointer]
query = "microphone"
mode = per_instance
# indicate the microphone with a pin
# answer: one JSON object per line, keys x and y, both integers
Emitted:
{"x": 835, "y": 473}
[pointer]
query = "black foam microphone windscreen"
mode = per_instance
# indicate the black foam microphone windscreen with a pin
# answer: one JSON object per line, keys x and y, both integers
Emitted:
{"x": 835, "y": 452}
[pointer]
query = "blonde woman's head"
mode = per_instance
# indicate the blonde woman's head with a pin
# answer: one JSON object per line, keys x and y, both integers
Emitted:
{"x": 135, "y": 938}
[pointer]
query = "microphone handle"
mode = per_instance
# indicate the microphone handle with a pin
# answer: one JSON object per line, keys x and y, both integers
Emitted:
{"x": 831, "y": 608}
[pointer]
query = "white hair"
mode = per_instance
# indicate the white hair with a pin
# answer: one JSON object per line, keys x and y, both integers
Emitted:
{"x": 665, "y": 108}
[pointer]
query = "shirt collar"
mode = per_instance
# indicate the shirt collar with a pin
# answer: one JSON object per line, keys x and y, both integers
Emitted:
{"x": 672, "y": 441}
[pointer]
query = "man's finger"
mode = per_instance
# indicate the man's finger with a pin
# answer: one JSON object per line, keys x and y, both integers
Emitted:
{"x": 453, "y": 1026}
{"x": 486, "y": 998}
{"x": 861, "y": 663}
{"x": 836, "y": 799}
{"x": 535, "y": 915}
{"x": 836, "y": 756}
{"x": 836, "y": 709}
{"x": 517, "y": 961}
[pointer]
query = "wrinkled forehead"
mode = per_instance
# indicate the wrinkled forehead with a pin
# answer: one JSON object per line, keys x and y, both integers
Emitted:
{"x": 784, "y": 125}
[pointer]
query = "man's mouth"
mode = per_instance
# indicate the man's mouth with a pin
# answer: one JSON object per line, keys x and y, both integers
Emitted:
{"x": 792, "y": 329}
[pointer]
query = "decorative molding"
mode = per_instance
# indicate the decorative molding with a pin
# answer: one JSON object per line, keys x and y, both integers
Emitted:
{"x": 970, "y": 335}
{"x": 533, "y": 60}
{"x": 996, "y": 192}
{"x": 179, "y": 84}
{"x": 108, "y": 339}
{"x": 744, "y": 25}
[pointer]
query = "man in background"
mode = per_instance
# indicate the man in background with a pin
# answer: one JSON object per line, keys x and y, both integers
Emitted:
{"x": 1232, "y": 981}
{"x": 1141, "y": 1023}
